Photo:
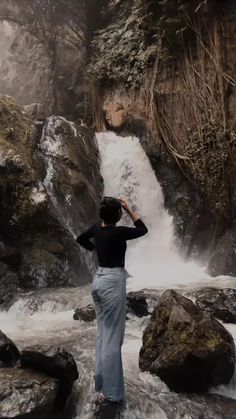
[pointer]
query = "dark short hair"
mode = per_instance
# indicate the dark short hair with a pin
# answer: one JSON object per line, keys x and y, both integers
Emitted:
{"x": 110, "y": 209}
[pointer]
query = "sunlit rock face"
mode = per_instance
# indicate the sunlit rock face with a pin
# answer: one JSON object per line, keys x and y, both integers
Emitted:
{"x": 49, "y": 187}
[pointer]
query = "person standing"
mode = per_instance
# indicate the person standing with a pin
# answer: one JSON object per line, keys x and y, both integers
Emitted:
{"x": 109, "y": 292}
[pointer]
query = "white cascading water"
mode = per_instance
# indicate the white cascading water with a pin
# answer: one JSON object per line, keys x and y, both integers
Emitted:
{"x": 52, "y": 146}
{"x": 46, "y": 317}
{"x": 152, "y": 261}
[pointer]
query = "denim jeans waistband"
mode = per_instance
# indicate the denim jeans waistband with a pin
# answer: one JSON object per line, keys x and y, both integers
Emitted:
{"x": 106, "y": 269}
{"x": 114, "y": 270}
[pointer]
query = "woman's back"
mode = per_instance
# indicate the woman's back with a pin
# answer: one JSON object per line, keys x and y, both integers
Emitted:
{"x": 110, "y": 241}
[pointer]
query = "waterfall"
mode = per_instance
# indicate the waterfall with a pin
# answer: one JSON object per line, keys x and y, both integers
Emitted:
{"x": 152, "y": 261}
{"x": 56, "y": 147}
{"x": 53, "y": 148}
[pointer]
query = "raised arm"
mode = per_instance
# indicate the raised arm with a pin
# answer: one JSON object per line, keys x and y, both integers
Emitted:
{"x": 84, "y": 239}
{"x": 129, "y": 233}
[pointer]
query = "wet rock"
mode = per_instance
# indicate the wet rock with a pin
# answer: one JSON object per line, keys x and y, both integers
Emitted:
{"x": 58, "y": 364}
{"x": 9, "y": 353}
{"x": 194, "y": 226}
{"x": 47, "y": 197}
{"x": 10, "y": 256}
{"x": 141, "y": 303}
{"x": 9, "y": 286}
{"x": 86, "y": 313}
{"x": 137, "y": 304}
{"x": 187, "y": 348}
{"x": 221, "y": 303}
{"x": 26, "y": 393}
{"x": 149, "y": 397}
{"x": 107, "y": 410}
{"x": 223, "y": 259}
{"x": 159, "y": 401}
{"x": 54, "y": 300}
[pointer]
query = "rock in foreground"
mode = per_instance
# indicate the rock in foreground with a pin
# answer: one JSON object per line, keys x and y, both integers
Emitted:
{"x": 220, "y": 303}
{"x": 58, "y": 364}
{"x": 40, "y": 386}
{"x": 185, "y": 347}
{"x": 26, "y": 392}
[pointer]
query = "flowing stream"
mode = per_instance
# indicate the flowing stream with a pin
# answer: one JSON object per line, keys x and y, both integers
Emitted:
{"x": 46, "y": 317}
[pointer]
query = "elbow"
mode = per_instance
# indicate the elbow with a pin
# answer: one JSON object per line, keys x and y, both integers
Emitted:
{"x": 85, "y": 243}
{"x": 81, "y": 241}
{"x": 78, "y": 240}
{"x": 143, "y": 232}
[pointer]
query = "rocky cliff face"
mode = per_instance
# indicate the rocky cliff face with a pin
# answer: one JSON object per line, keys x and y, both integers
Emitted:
{"x": 49, "y": 187}
{"x": 166, "y": 72}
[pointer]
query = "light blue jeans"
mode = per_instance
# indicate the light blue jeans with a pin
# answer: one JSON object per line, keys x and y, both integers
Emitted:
{"x": 109, "y": 296}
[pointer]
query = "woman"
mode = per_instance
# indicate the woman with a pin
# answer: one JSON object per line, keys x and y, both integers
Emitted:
{"x": 109, "y": 292}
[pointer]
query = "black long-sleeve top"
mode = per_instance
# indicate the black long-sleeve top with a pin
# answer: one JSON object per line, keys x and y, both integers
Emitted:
{"x": 110, "y": 241}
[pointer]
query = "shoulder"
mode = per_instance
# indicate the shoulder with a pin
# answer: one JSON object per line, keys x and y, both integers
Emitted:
{"x": 121, "y": 229}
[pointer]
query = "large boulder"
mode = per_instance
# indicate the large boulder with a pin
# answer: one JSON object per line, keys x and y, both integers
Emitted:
{"x": 56, "y": 363}
{"x": 187, "y": 348}
{"x": 50, "y": 185}
{"x": 221, "y": 303}
{"x": 26, "y": 393}
{"x": 38, "y": 385}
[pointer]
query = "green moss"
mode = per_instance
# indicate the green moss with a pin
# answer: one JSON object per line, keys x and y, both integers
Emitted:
{"x": 17, "y": 131}
{"x": 212, "y": 173}
{"x": 127, "y": 46}
{"x": 213, "y": 340}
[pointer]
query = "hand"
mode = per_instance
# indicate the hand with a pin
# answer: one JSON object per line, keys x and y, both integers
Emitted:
{"x": 124, "y": 203}
{"x": 131, "y": 213}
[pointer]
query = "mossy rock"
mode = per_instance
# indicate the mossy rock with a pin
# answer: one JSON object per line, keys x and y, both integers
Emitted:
{"x": 126, "y": 47}
{"x": 187, "y": 348}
